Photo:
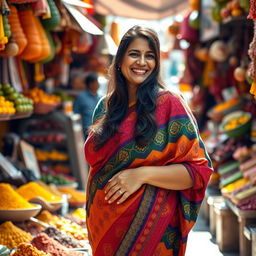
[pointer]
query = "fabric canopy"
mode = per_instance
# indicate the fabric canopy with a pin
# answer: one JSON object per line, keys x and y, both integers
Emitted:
{"x": 141, "y": 9}
{"x": 86, "y": 24}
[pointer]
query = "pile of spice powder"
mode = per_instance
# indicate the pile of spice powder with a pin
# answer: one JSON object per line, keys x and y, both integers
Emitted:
{"x": 11, "y": 200}
{"x": 47, "y": 244}
{"x": 32, "y": 189}
{"x": 47, "y": 217}
{"x": 25, "y": 249}
{"x": 11, "y": 236}
{"x": 63, "y": 238}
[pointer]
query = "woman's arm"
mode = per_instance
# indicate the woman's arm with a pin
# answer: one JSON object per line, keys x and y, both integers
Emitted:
{"x": 175, "y": 176}
{"x": 125, "y": 183}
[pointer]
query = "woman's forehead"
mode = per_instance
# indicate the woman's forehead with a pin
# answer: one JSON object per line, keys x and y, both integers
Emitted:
{"x": 139, "y": 44}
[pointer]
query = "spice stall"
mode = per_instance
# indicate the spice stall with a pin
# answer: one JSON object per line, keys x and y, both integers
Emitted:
{"x": 42, "y": 170}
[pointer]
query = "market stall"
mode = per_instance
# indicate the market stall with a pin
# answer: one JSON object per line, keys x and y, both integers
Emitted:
{"x": 42, "y": 169}
{"x": 220, "y": 73}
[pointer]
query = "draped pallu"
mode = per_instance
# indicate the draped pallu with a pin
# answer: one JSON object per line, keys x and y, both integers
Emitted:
{"x": 152, "y": 221}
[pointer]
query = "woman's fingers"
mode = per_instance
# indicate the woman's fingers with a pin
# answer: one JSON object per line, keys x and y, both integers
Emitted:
{"x": 111, "y": 191}
{"x": 123, "y": 198}
{"x": 110, "y": 185}
{"x": 115, "y": 196}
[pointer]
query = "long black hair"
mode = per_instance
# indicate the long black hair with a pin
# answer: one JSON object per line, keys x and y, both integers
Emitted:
{"x": 117, "y": 100}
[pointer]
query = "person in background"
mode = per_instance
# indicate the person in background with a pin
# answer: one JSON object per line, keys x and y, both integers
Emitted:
{"x": 86, "y": 101}
{"x": 148, "y": 165}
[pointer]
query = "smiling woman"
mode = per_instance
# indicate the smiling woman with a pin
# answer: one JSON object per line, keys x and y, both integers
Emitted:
{"x": 148, "y": 165}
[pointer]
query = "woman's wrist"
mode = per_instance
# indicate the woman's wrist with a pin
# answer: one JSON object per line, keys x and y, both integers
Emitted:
{"x": 144, "y": 174}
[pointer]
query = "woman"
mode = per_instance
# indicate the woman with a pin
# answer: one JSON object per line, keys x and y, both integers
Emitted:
{"x": 148, "y": 165}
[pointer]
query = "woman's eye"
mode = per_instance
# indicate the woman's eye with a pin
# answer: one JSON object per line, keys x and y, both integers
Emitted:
{"x": 134, "y": 54}
{"x": 150, "y": 57}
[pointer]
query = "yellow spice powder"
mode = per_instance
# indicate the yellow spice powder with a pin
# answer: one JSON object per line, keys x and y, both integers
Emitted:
{"x": 11, "y": 236}
{"x": 79, "y": 213}
{"x": 26, "y": 249}
{"x": 32, "y": 189}
{"x": 11, "y": 200}
{"x": 47, "y": 217}
{"x": 76, "y": 196}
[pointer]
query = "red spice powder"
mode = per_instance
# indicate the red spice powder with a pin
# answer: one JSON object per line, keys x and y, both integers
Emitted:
{"x": 44, "y": 243}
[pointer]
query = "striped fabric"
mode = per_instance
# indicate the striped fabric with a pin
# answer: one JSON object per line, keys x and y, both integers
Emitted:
{"x": 153, "y": 221}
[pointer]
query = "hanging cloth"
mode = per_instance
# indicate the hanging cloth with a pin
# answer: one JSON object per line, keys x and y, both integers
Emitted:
{"x": 14, "y": 75}
{"x": 252, "y": 12}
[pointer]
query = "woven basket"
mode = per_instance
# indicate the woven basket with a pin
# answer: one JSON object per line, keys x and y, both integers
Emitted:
{"x": 43, "y": 108}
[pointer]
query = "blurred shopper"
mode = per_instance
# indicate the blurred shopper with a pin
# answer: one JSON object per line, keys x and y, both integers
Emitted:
{"x": 149, "y": 167}
{"x": 86, "y": 101}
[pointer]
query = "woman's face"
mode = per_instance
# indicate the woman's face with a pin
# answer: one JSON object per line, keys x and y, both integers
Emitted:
{"x": 138, "y": 62}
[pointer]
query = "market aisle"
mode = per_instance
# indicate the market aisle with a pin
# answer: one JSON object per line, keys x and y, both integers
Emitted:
{"x": 200, "y": 242}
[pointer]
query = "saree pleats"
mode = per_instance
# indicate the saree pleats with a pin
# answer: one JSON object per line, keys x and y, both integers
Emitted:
{"x": 152, "y": 221}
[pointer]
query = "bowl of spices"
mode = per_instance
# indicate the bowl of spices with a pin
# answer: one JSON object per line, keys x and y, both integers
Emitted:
{"x": 14, "y": 207}
{"x": 20, "y": 214}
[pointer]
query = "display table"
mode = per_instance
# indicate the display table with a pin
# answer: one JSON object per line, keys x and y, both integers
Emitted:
{"x": 245, "y": 218}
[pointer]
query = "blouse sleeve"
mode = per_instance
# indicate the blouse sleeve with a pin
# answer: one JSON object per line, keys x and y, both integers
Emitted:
{"x": 99, "y": 109}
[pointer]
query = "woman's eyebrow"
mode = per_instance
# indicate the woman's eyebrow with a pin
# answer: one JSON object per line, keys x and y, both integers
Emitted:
{"x": 134, "y": 50}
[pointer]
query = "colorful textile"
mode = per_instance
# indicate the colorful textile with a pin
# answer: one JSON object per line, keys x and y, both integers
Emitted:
{"x": 153, "y": 221}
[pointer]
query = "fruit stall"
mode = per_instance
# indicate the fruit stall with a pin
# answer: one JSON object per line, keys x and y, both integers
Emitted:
{"x": 220, "y": 75}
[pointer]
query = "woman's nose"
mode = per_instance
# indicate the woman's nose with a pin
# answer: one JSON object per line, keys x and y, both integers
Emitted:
{"x": 142, "y": 60}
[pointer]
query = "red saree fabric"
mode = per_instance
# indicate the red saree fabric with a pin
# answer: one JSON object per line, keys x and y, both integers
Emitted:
{"x": 152, "y": 221}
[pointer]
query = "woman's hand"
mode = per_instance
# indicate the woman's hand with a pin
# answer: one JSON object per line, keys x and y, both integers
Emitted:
{"x": 122, "y": 185}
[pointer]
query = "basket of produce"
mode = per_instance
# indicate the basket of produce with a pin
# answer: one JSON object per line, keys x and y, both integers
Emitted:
{"x": 44, "y": 108}
{"x": 44, "y": 103}
{"x": 223, "y": 108}
{"x": 236, "y": 124}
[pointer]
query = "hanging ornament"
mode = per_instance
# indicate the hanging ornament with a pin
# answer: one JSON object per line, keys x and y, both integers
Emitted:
{"x": 115, "y": 32}
{"x": 202, "y": 53}
{"x": 218, "y": 51}
{"x": 193, "y": 20}
{"x": 233, "y": 61}
{"x": 253, "y": 89}
{"x": 240, "y": 74}
{"x": 174, "y": 28}
{"x": 252, "y": 12}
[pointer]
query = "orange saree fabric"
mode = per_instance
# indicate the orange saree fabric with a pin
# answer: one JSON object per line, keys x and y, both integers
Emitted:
{"x": 153, "y": 221}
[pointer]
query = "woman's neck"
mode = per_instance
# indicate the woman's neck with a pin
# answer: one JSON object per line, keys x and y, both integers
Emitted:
{"x": 132, "y": 95}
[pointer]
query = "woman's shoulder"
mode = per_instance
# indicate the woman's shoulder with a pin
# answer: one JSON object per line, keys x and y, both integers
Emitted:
{"x": 100, "y": 109}
{"x": 168, "y": 96}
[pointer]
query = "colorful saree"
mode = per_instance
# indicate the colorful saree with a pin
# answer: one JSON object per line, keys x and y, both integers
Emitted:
{"x": 153, "y": 221}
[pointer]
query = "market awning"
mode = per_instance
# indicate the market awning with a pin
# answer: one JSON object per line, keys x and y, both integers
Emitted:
{"x": 85, "y": 23}
{"x": 140, "y": 9}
